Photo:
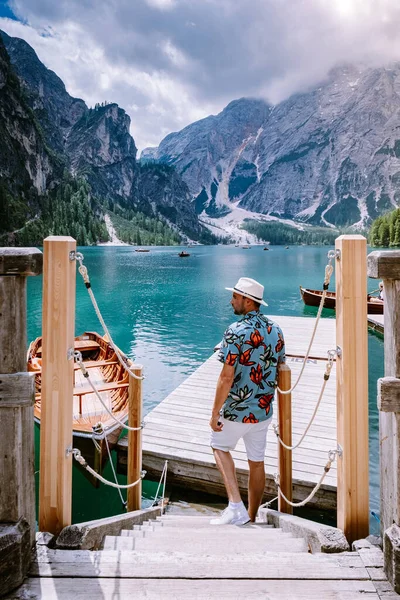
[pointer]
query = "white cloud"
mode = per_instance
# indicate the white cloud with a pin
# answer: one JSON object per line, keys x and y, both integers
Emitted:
{"x": 162, "y": 4}
{"x": 169, "y": 62}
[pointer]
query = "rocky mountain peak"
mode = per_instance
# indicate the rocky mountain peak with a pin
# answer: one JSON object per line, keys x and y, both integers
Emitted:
{"x": 45, "y": 92}
{"x": 207, "y": 152}
{"x": 329, "y": 156}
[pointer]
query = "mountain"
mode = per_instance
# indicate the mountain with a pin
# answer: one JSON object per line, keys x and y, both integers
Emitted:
{"x": 329, "y": 157}
{"x": 45, "y": 92}
{"x": 27, "y": 165}
{"x": 211, "y": 154}
{"x": 90, "y": 143}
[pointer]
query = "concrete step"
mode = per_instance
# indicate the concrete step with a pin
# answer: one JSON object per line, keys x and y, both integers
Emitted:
{"x": 205, "y": 545}
{"x": 197, "y": 589}
{"x": 210, "y": 533}
{"x": 136, "y": 533}
{"x": 213, "y": 564}
{"x": 188, "y": 522}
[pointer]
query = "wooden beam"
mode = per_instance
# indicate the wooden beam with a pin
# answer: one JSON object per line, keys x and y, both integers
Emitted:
{"x": 384, "y": 264}
{"x": 17, "y": 450}
{"x": 352, "y": 386}
{"x": 21, "y": 261}
{"x": 59, "y": 282}
{"x": 285, "y": 432}
{"x": 389, "y": 394}
{"x": 134, "y": 496}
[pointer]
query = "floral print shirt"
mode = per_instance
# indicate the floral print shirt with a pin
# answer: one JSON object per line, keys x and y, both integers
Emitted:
{"x": 254, "y": 346}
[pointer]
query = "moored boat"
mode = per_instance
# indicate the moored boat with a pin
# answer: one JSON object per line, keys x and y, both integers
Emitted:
{"x": 92, "y": 424}
{"x": 313, "y": 298}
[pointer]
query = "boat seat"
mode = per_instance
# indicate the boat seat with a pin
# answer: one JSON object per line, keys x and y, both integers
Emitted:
{"x": 81, "y": 345}
{"x": 91, "y": 364}
{"x": 101, "y": 387}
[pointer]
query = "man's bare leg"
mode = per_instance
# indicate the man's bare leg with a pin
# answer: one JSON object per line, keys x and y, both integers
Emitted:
{"x": 227, "y": 469}
{"x": 256, "y": 487}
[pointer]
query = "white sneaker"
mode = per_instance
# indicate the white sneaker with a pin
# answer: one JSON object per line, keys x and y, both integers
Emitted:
{"x": 232, "y": 517}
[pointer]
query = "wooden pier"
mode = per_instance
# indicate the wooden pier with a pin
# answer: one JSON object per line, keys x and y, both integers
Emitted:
{"x": 178, "y": 430}
{"x": 376, "y": 322}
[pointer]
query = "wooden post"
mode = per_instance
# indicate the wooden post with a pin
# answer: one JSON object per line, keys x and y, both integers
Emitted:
{"x": 17, "y": 472}
{"x": 385, "y": 265}
{"x": 352, "y": 387}
{"x": 285, "y": 432}
{"x": 135, "y": 439}
{"x": 59, "y": 283}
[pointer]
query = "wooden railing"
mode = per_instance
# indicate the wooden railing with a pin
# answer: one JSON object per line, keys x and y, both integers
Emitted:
{"x": 385, "y": 265}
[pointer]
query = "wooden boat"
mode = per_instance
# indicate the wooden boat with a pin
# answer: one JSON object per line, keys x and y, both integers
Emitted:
{"x": 111, "y": 380}
{"x": 183, "y": 254}
{"x": 313, "y": 298}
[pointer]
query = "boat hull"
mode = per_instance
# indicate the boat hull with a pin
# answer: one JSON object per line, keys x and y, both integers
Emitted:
{"x": 112, "y": 383}
{"x": 313, "y": 298}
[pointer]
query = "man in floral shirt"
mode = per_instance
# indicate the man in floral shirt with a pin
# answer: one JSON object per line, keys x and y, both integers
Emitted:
{"x": 251, "y": 350}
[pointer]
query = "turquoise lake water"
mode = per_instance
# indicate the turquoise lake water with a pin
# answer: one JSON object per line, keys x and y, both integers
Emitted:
{"x": 168, "y": 313}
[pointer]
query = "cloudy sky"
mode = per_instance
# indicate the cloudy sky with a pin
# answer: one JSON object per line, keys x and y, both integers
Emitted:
{"x": 171, "y": 62}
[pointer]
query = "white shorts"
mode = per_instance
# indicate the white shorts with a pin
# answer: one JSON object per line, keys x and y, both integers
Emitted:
{"x": 254, "y": 436}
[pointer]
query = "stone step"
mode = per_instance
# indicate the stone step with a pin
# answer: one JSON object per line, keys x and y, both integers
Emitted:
{"x": 205, "y": 545}
{"x": 136, "y": 533}
{"x": 196, "y": 522}
{"x": 213, "y": 564}
{"x": 174, "y": 521}
{"x": 211, "y": 532}
{"x": 48, "y": 588}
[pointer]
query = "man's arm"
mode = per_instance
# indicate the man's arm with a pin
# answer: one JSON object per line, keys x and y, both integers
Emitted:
{"x": 224, "y": 385}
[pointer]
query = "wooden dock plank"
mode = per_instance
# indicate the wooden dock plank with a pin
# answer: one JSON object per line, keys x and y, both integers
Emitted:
{"x": 178, "y": 427}
{"x": 196, "y": 589}
{"x": 376, "y": 322}
{"x": 131, "y": 564}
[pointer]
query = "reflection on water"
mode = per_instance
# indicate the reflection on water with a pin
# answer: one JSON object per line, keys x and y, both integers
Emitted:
{"x": 168, "y": 313}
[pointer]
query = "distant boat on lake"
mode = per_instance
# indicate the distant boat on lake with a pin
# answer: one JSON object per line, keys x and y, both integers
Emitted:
{"x": 183, "y": 254}
{"x": 142, "y": 250}
{"x": 266, "y": 248}
{"x": 246, "y": 247}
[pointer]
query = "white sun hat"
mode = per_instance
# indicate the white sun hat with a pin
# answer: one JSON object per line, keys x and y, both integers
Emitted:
{"x": 250, "y": 288}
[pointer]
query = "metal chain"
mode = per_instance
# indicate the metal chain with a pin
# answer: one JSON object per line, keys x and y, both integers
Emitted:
{"x": 85, "y": 276}
{"x": 328, "y": 275}
{"x": 78, "y": 359}
{"x": 328, "y": 369}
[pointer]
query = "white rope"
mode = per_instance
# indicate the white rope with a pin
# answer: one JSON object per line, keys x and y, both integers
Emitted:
{"x": 163, "y": 479}
{"x": 78, "y": 359}
{"x": 327, "y": 373}
{"x": 79, "y": 458}
{"x": 124, "y": 503}
{"x": 328, "y": 274}
{"x": 267, "y": 504}
{"x": 332, "y": 456}
{"x": 84, "y": 272}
